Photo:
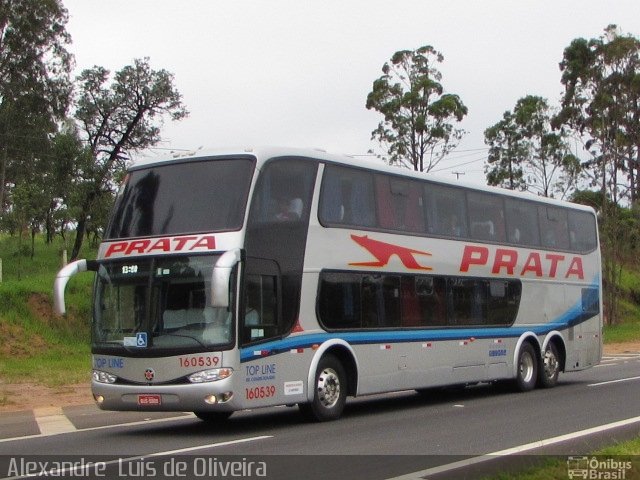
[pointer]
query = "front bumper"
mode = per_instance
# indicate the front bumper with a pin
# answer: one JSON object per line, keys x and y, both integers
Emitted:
{"x": 193, "y": 397}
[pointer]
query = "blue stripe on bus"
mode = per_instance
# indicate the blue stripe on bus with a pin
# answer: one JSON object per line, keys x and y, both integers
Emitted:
{"x": 572, "y": 317}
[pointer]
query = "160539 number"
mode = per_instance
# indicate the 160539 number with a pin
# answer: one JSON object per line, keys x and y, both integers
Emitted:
{"x": 199, "y": 361}
{"x": 256, "y": 393}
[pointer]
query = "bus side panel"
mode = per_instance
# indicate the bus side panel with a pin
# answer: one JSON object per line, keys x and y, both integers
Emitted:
{"x": 274, "y": 379}
{"x": 583, "y": 336}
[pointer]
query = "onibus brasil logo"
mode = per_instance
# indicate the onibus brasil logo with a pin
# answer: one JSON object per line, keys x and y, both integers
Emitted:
{"x": 598, "y": 468}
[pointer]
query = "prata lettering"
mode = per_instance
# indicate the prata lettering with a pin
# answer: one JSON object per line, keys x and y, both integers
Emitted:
{"x": 506, "y": 261}
{"x": 161, "y": 245}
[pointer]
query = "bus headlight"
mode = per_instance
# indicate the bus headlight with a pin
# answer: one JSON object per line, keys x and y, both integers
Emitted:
{"x": 104, "y": 377}
{"x": 210, "y": 375}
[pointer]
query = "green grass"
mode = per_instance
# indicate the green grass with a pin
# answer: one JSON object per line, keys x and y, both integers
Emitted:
{"x": 556, "y": 468}
{"x": 630, "y": 280}
{"x": 629, "y": 330}
{"x": 38, "y": 346}
{"x": 625, "y": 332}
{"x": 632, "y": 447}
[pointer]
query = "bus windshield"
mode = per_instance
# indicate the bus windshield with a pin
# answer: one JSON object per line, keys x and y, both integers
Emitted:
{"x": 183, "y": 197}
{"x": 160, "y": 304}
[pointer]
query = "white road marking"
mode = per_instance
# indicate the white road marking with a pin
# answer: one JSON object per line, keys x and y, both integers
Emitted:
{"x": 420, "y": 475}
{"x": 52, "y": 421}
{"x": 629, "y": 379}
{"x": 617, "y": 359}
{"x": 202, "y": 447}
{"x": 102, "y": 427}
{"x": 618, "y": 356}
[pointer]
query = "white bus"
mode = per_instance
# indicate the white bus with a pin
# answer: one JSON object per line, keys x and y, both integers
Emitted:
{"x": 268, "y": 277}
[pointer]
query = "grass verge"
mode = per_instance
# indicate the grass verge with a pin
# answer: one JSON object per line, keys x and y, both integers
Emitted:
{"x": 37, "y": 345}
{"x": 558, "y": 468}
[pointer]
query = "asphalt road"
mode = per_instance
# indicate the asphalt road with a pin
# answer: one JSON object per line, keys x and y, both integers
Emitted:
{"x": 455, "y": 434}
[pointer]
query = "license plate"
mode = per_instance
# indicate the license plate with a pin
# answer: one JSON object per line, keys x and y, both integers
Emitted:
{"x": 149, "y": 400}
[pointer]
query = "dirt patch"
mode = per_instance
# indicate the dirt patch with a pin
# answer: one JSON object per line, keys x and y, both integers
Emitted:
{"x": 15, "y": 343}
{"x": 626, "y": 347}
{"x": 40, "y": 306}
{"x": 27, "y": 396}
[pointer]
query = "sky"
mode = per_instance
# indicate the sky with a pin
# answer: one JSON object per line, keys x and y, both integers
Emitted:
{"x": 296, "y": 73}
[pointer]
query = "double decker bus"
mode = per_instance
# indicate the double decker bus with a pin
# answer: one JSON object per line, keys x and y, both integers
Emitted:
{"x": 264, "y": 277}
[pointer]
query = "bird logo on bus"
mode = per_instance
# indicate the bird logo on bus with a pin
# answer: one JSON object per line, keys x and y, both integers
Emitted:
{"x": 383, "y": 252}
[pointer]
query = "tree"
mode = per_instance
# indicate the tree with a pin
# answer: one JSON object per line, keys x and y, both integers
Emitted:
{"x": 601, "y": 103}
{"x": 552, "y": 170}
{"x": 417, "y": 129}
{"x": 118, "y": 119}
{"x": 526, "y": 154}
{"x": 67, "y": 155}
{"x": 34, "y": 77}
{"x": 506, "y": 154}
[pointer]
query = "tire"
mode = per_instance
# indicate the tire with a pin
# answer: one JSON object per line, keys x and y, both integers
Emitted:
{"x": 330, "y": 392}
{"x": 527, "y": 375}
{"x": 213, "y": 417}
{"x": 549, "y": 369}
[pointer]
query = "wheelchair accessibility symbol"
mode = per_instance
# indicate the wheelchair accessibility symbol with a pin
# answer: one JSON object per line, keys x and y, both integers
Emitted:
{"x": 141, "y": 339}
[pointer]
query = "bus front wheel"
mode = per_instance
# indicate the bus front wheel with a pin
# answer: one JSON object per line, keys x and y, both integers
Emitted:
{"x": 330, "y": 391}
{"x": 527, "y": 374}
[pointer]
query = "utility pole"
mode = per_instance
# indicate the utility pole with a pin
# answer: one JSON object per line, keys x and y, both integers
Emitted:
{"x": 457, "y": 174}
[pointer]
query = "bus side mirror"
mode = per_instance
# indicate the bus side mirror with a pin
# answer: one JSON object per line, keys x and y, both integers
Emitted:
{"x": 221, "y": 276}
{"x": 63, "y": 277}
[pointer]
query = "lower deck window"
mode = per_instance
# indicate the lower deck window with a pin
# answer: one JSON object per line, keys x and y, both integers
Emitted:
{"x": 357, "y": 300}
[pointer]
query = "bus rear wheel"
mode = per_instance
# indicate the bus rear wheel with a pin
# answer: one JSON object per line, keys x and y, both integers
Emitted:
{"x": 330, "y": 391}
{"x": 550, "y": 366}
{"x": 527, "y": 375}
{"x": 213, "y": 417}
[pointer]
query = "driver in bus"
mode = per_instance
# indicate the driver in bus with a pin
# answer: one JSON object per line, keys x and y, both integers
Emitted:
{"x": 289, "y": 209}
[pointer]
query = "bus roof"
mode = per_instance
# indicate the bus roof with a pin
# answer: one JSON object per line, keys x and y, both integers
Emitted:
{"x": 264, "y": 153}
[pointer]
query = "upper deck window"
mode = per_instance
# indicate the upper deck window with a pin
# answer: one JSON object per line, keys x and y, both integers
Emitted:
{"x": 522, "y": 222}
{"x": 185, "y": 197}
{"x": 446, "y": 211}
{"x": 368, "y": 200}
{"x": 486, "y": 217}
{"x": 582, "y": 231}
{"x": 347, "y": 197}
{"x": 554, "y": 227}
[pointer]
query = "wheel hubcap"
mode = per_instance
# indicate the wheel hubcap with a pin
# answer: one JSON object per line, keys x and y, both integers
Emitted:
{"x": 550, "y": 363}
{"x": 526, "y": 367}
{"x": 328, "y": 387}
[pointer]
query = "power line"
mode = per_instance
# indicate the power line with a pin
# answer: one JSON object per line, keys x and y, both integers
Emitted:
{"x": 459, "y": 165}
{"x": 472, "y": 149}
{"x": 460, "y": 156}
